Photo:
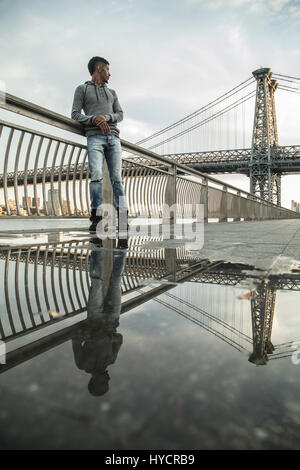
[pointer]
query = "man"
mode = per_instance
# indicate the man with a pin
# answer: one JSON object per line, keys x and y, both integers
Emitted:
{"x": 96, "y": 345}
{"x": 102, "y": 112}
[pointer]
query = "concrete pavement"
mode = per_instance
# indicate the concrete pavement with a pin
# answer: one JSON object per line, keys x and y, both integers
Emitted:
{"x": 272, "y": 245}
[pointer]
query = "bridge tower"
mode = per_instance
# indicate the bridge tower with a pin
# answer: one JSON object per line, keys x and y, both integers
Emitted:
{"x": 265, "y": 182}
{"x": 262, "y": 313}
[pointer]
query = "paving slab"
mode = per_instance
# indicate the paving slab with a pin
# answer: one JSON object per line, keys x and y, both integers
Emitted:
{"x": 272, "y": 245}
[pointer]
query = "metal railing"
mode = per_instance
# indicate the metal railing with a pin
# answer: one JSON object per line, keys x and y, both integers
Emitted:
{"x": 45, "y": 175}
{"x": 53, "y": 289}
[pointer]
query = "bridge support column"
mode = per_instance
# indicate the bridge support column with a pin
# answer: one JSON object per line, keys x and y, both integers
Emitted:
{"x": 262, "y": 313}
{"x": 276, "y": 188}
{"x": 263, "y": 181}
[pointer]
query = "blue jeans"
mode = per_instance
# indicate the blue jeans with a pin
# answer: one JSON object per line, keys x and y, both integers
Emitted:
{"x": 108, "y": 147}
{"x": 101, "y": 307}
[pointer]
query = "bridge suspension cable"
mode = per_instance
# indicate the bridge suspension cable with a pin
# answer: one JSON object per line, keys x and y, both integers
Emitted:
{"x": 290, "y": 89}
{"x": 215, "y": 319}
{"x": 287, "y": 78}
{"x": 216, "y": 125}
{"x": 207, "y": 120}
{"x": 200, "y": 322}
{"x": 201, "y": 110}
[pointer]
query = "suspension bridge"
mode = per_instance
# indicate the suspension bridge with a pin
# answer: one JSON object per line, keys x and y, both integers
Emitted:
{"x": 264, "y": 162}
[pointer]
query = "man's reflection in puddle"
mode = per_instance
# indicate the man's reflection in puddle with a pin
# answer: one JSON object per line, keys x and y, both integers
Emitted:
{"x": 98, "y": 345}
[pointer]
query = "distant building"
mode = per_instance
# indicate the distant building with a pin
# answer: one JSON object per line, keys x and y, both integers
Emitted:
{"x": 12, "y": 204}
{"x": 33, "y": 204}
{"x": 22, "y": 211}
{"x": 3, "y": 210}
{"x": 295, "y": 206}
{"x": 36, "y": 202}
{"x": 29, "y": 200}
{"x": 53, "y": 202}
{"x": 66, "y": 207}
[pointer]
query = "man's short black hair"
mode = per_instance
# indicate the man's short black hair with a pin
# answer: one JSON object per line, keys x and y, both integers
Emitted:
{"x": 93, "y": 61}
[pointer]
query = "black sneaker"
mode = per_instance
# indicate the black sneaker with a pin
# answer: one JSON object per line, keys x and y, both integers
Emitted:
{"x": 96, "y": 241}
{"x": 95, "y": 221}
{"x": 122, "y": 244}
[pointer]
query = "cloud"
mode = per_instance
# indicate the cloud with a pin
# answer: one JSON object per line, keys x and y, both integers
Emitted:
{"x": 135, "y": 130}
{"x": 252, "y": 5}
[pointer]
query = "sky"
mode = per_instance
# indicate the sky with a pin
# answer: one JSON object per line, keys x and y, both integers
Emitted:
{"x": 167, "y": 58}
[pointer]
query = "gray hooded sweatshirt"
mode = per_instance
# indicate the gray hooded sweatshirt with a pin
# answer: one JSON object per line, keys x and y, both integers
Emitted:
{"x": 94, "y": 100}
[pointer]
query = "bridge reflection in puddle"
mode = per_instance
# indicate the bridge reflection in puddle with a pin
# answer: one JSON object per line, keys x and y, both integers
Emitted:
{"x": 165, "y": 340}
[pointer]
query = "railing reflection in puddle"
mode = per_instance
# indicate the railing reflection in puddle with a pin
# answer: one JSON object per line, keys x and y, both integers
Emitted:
{"x": 77, "y": 290}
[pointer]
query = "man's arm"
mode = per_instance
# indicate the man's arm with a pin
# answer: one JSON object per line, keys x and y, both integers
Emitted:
{"x": 101, "y": 121}
{"x": 77, "y": 108}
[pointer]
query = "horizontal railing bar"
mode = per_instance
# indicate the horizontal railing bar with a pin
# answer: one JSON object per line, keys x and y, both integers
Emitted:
{"x": 33, "y": 111}
{"x": 40, "y": 134}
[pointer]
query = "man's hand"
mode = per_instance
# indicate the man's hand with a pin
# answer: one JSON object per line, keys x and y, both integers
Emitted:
{"x": 101, "y": 122}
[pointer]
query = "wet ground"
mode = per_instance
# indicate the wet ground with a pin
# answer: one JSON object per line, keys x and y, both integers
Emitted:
{"x": 165, "y": 345}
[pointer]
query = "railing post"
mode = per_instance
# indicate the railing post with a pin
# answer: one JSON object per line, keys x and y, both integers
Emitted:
{"x": 261, "y": 211}
{"x": 204, "y": 198}
{"x": 170, "y": 197}
{"x": 249, "y": 197}
{"x": 256, "y": 210}
{"x": 170, "y": 257}
{"x": 223, "y": 208}
{"x": 238, "y": 199}
{"x": 107, "y": 263}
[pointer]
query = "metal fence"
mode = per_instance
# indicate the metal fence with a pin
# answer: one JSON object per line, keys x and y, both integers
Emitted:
{"x": 54, "y": 292}
{"x": 45, "y": 175}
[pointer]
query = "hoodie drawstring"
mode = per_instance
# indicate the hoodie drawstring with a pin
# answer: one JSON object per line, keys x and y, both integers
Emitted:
{"x": 103, "y": 85}
{"x": 104, "y": 88}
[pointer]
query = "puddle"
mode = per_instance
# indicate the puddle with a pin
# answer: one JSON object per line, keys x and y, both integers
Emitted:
{"x": 153, "y": 347}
